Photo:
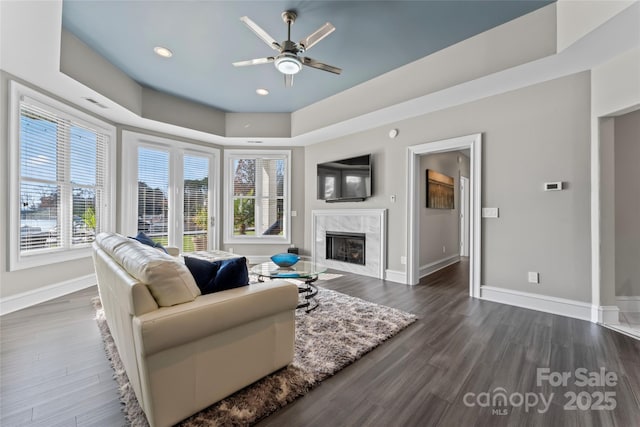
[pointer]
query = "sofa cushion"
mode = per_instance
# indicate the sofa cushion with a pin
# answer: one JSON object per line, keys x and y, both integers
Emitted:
{"x": 146, "y": 240}
{"x": 168, "y": 279}
{"x": 216, "y": 276}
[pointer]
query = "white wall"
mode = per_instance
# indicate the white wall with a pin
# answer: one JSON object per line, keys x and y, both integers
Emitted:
{"x": 615, "y": 90}
{"x": 616, "y": 85}
{"x": 500, "y": 48}
{"x": 21, "y": 281}
{"x": 547, "y": 124}
{"x": 576, "y": 18}
{"x": 627, "y": 204}
{"x": 17, "y": 283}
{"x": 440, "y": 228}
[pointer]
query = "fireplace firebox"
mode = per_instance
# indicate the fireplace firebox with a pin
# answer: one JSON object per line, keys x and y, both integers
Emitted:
{"x": 346, "y": 247}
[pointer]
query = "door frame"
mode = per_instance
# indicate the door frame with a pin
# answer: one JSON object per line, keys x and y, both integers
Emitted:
{"x": 177, "y": 149}
{"x": 464, "y": 213}
{"x": 473, "y": 143}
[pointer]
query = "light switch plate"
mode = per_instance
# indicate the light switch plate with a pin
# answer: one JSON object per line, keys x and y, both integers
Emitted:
{"x": 489, "y": 212}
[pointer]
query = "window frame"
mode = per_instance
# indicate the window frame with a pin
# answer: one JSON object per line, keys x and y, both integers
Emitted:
{"x": 229, "y": 157}
{"x": 131, "y": 142}
{"x": 42, "y": 257}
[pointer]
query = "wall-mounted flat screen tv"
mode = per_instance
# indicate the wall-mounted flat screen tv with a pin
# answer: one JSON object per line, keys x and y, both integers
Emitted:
{"x": 345, "y": 180}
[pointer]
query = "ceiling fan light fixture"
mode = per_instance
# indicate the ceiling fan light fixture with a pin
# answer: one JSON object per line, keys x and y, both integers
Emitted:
{"x": 288, "y": 63}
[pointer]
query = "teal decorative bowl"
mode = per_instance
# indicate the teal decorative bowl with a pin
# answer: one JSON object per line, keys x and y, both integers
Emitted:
{"x": 285, "y": 260}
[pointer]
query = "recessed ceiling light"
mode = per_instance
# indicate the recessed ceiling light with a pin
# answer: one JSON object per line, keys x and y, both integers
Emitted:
{"x": 163, "y": 51}
{"x": 262, "y": 92}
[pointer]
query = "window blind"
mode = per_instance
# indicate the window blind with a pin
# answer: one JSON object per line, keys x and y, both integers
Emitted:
{"x": 153, "y": 193}
{"x": 63, "y": 191}
{"x": 196, "y": 202}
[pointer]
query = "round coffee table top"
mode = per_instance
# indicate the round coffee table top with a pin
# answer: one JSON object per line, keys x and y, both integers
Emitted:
{"x": 303, "y": 269}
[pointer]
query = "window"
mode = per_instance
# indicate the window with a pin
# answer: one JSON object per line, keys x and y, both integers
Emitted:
{"x": 196, "y": 202}
{"x": 153, "y": 193}
{"x": 174, "y": 201}
{"x": 257, "y": 196}
{"x": 60, "y": 193}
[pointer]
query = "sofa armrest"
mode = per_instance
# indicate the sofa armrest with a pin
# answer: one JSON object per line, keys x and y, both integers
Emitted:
{"x": 209, "y": 314}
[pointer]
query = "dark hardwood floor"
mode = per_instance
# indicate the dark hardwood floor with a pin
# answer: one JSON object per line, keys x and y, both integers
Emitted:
{"x": 54, "y": 371}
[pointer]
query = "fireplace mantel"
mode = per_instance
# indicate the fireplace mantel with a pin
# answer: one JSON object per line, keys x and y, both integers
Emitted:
{"x": 371, "y": 222}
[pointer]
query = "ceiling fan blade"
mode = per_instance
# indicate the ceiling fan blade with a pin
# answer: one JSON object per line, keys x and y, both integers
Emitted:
{"x": 254, "y": 61}
{"x": 261, "y": 33}
{"x": 318, "y": 35}
{"x": 288, "y": 80}
{"x": 320, "y": 66}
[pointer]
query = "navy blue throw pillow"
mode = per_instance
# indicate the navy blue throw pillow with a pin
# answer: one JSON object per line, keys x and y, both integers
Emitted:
{"x": 216, "y": 276}
{"x": 202, "y": 271}
{"x": 146, "y": 240}
{"x": 233, "y": 273}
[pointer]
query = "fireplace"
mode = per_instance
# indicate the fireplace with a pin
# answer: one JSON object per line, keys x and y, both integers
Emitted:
{"x": 371, "y": 223}
{"x": 346, "y": 247}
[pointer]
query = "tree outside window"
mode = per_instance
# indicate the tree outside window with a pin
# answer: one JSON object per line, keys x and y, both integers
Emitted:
{"x": 258, "y": 196}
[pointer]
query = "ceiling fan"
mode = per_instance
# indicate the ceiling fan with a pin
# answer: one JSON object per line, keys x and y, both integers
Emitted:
{"x": 287, "y": 61}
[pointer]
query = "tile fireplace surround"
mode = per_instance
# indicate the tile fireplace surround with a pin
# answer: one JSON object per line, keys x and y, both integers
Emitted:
{"x": 371, "y": 222}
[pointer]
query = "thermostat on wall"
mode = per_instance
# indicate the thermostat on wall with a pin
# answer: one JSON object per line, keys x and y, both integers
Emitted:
{"x": 553, "y": 186}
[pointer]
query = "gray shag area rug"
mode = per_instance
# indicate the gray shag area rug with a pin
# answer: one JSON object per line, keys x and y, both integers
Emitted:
{"x": 340, "y": 331}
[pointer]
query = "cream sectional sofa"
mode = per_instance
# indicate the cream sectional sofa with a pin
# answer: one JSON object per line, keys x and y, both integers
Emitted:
{"x": 183, "y": 351}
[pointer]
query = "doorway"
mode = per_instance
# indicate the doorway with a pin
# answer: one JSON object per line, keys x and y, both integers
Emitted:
{"x": 474, "y": 144}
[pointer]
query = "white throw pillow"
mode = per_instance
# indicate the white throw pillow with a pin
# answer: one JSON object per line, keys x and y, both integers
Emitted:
{"x": 168, "y": 279}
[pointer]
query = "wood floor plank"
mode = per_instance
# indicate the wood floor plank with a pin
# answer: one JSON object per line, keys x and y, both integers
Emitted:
{"x": 53, "y": 370}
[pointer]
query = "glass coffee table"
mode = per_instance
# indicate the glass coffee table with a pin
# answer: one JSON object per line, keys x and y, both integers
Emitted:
{"x": 306, "y": 271}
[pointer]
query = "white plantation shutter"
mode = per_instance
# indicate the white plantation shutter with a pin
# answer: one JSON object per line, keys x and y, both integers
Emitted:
{"x": 63, "y": 187}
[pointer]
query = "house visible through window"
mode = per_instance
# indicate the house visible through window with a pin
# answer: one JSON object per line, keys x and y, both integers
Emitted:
{"x": 258, "y": 187}
{"x": 61, "y": 194}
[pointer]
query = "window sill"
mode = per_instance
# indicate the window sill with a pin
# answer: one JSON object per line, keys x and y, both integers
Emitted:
{"x": 48, "y": 257}
{"x": 257, "y": 240}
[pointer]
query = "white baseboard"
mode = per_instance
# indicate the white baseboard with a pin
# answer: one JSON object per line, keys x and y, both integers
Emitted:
{"x": 628, "y": 303}
{"x": 396, "y": 276}
{"x": 605, "y": 314}
{"x": 36, "y": 296}
{"x": 561, "y": 306}
{"x": 430, "y": 268}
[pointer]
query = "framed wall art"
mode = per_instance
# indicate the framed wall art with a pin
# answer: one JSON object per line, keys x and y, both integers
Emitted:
{"x": 439, "y": 190}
